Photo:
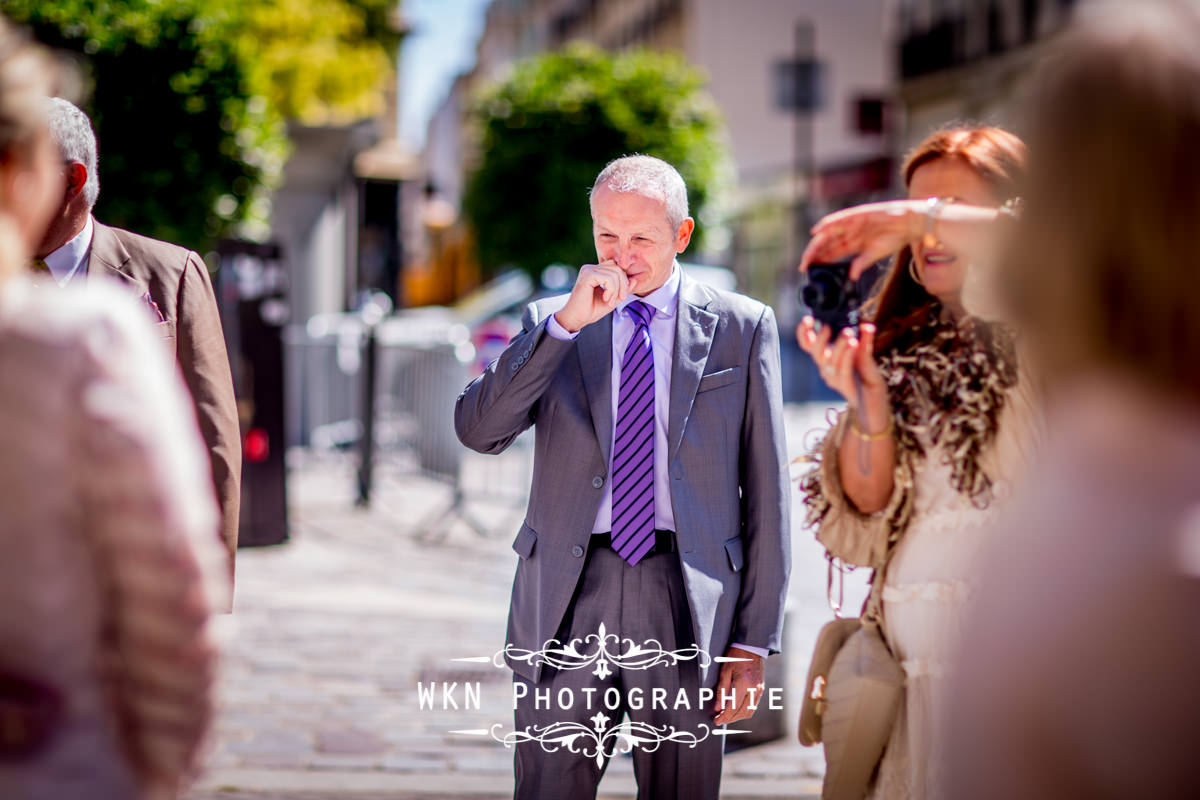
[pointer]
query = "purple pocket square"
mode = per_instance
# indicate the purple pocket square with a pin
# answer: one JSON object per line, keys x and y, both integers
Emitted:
{"x": 149, "y": 301}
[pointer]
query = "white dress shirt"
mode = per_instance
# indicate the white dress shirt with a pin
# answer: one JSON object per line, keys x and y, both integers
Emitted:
{"x": 71, "y": 259}
{"x": 665, "y": 302}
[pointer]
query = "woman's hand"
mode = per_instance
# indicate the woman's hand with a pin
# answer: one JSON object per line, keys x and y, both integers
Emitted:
{"x": 872, "y": 231}
{"x": 865, "y": 462}
{"x": 850, "y": 355}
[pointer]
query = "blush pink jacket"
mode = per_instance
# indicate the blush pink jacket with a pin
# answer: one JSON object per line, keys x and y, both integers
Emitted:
{"x": 109, "y": 564}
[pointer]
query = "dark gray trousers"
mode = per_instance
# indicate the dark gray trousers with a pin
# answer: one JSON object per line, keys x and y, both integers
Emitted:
{"x": 641, "y": 603}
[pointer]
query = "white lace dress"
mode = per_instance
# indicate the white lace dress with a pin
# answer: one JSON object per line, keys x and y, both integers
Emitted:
{"x": 928, "y": 583}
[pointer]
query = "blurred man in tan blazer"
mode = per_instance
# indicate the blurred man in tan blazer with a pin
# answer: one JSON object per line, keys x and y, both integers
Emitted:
{"x": 171, "y": 281}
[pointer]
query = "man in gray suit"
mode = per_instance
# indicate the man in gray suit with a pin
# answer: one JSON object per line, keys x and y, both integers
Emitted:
{"x": 658, "y": 514}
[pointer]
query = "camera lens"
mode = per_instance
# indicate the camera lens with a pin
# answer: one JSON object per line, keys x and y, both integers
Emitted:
{"x": 812, "y": 295}
{"x": 822, "y": 293}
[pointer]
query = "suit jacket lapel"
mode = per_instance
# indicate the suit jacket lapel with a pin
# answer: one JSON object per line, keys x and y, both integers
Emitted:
{"x": 694, "y": 327}
{"x": 110, "y": 258}
{"x": 595, "y": 361}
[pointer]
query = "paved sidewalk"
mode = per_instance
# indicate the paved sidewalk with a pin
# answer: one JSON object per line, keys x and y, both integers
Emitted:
{"x": 333, "y": 632}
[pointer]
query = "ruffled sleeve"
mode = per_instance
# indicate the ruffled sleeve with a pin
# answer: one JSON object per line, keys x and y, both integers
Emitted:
{"x": 852, "y": 537}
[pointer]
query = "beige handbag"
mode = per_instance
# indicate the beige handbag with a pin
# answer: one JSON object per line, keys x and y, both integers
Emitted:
{"x": 862, "y": 698}
{"x": 829, "y": 642}
{"x": 853, "y": 695}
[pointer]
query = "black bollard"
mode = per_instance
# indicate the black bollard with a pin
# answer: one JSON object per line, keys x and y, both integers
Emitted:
{"x": 367, "y": 442}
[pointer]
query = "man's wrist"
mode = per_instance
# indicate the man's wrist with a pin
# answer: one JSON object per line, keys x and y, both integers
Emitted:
{"x": 761, "y": 652}
{"x": 555, "y": 330}
{"x": 569, "y": 325}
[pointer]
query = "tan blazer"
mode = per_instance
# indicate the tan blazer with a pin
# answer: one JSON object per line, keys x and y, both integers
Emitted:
{"x": 177, "y": 282}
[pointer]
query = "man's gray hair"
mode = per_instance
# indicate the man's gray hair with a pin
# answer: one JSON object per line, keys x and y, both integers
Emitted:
{"x": 650, "y": 177}
{"x": 72, "y": 131}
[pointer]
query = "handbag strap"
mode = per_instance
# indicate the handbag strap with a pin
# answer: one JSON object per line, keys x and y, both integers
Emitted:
{"x": 872, "y": 610}
{"x": 841, "y": 570}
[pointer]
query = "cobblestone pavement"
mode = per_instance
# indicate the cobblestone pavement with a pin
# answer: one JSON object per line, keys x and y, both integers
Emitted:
{"x": 333, "y": 632}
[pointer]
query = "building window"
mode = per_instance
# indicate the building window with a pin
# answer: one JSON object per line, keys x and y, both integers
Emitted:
{"x": 932, "y": 50}
{"x": 868, "y": 115}
{"x": 1030, "y": 10}
{"x": 995, "y": 28}
{"x": 799, "y": 85}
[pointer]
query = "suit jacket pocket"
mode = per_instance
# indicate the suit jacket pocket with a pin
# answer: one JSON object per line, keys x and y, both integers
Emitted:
{"x": 715, "y": 380}
{"x": 525, "y": 541}
{"x": 165, "y": 330}
{"x": 733, "y": 548}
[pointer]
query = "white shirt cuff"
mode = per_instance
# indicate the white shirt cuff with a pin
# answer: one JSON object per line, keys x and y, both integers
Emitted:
{"x": 557, "y": 331}
{"x": 761, "y": 652}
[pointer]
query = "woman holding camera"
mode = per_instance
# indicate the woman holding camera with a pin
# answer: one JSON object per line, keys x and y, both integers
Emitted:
{"x": 907, "y": 479}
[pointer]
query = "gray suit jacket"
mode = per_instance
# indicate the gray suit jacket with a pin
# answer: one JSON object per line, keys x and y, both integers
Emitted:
{"x": 729, "y": 482}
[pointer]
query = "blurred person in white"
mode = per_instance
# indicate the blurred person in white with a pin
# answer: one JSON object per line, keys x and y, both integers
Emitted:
{"x": 1081, "y": 671}
{"x": 108, "y": 566}
{"x": 912, "y": 475}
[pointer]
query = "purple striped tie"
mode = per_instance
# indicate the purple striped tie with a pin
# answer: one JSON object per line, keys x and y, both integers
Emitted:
{"x": 633, "y": 449}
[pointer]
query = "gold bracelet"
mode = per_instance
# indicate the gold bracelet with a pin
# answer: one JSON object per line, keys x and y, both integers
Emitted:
{"x": 932, "y": 213}
{"x": 871, "y": 437}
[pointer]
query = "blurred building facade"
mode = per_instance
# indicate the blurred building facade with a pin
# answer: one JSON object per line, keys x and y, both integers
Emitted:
{"x": 337, "y": 213}
{"x": 821, "y": 100}
{"x": 966, "y": 60}
{"x": 336, "y": 233}
{"x": 805, "y": 87}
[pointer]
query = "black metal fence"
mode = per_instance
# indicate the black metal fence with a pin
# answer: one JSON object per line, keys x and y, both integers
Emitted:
{"x": 384, "y": 387}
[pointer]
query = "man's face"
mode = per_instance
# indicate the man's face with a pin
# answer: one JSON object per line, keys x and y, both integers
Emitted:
{"x": 632, "y": 231}
{"x": 37, "y": 183}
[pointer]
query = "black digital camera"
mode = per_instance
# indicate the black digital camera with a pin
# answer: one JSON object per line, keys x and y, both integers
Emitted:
{"x": 832, "y": 298}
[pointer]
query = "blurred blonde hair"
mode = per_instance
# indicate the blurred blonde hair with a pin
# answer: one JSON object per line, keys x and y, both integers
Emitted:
{"x": 27, "y": 76}
{"x": 1102, "y": 272}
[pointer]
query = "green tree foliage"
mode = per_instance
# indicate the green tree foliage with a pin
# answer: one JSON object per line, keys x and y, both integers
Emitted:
{"x": 548, "y": 130}
{"x": 189, "y": 97}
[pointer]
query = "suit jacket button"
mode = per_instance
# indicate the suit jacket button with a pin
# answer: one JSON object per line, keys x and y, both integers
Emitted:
{"x": 577, "y": 551}
{"x": 597, "y": 482}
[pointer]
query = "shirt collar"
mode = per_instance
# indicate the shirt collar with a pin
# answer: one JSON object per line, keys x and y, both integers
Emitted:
{"x": 665, "y": 299}
{"x": 71, "y": 259}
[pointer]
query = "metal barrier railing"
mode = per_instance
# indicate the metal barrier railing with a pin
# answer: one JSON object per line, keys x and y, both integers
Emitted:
{"x": 385, "y": 387}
